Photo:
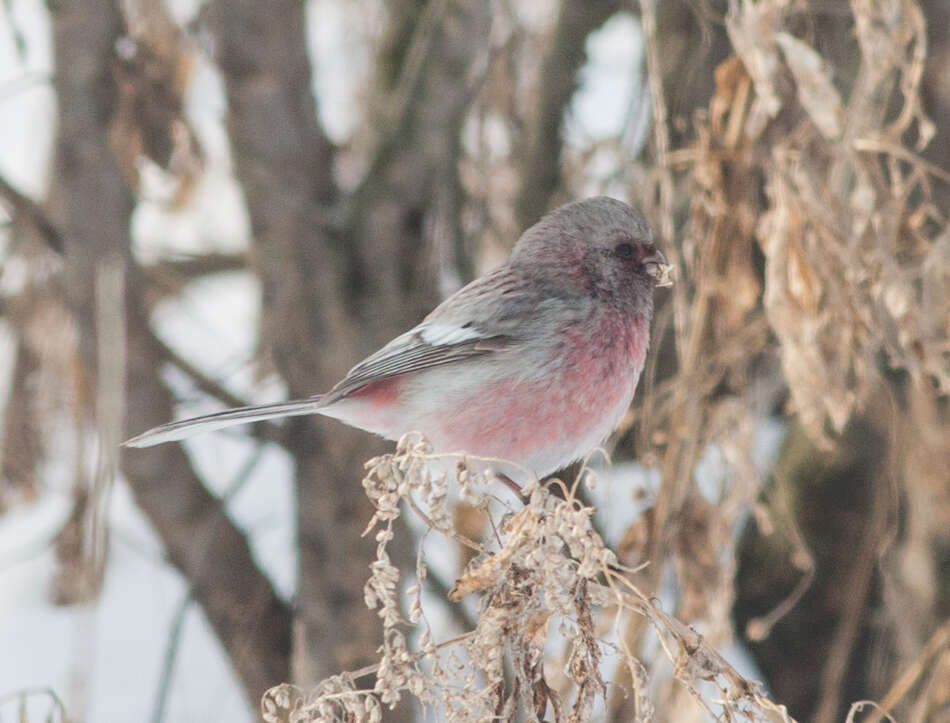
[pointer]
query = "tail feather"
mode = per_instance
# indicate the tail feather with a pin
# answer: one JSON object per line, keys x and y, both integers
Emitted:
{"x": 218, "y": 420}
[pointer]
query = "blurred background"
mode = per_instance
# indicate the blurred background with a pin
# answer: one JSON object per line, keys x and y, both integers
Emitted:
{"x": 208, "y": 204}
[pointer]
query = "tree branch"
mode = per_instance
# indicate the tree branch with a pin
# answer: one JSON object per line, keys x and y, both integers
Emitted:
{"x": 264, "y": 431}
{"x": 26, "y": 210}
{"x": 176, "y": 630}
{"x": 21, "y": 446}
{"x": 170, "y": 273}
{"x": 253, "y": 624}
{"x": 541, "y": 169}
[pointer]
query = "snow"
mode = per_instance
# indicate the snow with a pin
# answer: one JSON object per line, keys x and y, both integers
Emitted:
{"x": 610, "y": 82}
{"x": 27, "y": 102}
{"x": 104, "y": 659}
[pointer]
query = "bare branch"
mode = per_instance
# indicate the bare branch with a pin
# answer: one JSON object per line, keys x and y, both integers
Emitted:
{"x": 251, "y": 621}
{"x": 21, "y": 445}
{"x": 170, "y": 273}
{"x": 402, "y": 104}
{"x": 176, "y": 629}
{"x": 264, "y": 431}
{"x": 541, "y": 174}
{"x": 26, "y": 210}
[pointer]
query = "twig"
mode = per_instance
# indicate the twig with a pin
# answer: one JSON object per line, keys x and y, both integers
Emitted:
{"x": 401, "y": 106}
{"x": 541, "y": 174}
{"x": 513, "y": 486}
{"x": 21, "y": 444}
{"x": 759, "y": 628}
{"x": 457, "y": 610}
{"x": 374, "y": 668}
{"x": 111, "y": 362}
{"x": 167, "y": 273}
{"x": 667, "y": 494}
{"x": 264, "y": 431}
{"x": 175, "y": 635}
{"x": 661, "y": 132}
{"x": 938, "y": 642}
{"x": 454, "y": 534}
{"x": 205, "y": 383}
{"x": 28, "y": 210}
{"x": 855, "y": 597}
{"x": 878, "y": 145}
{"x": 27, "y": 692}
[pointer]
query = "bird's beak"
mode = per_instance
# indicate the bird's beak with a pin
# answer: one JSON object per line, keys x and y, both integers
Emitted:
{"x": 657, "y": 266}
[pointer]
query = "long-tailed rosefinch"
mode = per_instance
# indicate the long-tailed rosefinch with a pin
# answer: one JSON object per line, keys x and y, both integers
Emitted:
{"x": 535, "y": 362}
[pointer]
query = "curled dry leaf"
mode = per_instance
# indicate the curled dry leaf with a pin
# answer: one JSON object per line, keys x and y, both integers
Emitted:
{"x": 752, "y": 27}
{"x": 816, "y": 92}
{"x": 483, "y": 573}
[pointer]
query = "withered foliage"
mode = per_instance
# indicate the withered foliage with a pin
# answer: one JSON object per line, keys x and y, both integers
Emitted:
{"x": 813, "y": 248}
{"x": 553, "y": 601}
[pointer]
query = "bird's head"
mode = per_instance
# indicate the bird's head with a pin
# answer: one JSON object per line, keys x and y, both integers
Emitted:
{"x": 598, "y": 247}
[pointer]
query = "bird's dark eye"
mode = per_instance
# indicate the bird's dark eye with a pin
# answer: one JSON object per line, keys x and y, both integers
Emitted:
{"x": 623, "y": 250}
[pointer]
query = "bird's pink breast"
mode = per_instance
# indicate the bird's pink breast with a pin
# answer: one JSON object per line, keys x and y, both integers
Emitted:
{"x": 540, "y": 415}
{"x": 548, "y": 422}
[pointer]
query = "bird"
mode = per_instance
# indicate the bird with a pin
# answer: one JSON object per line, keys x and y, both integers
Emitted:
{"x": 535, "y": 362}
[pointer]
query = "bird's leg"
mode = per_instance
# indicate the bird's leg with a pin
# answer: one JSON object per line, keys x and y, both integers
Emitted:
{"x": 513, "y": 486}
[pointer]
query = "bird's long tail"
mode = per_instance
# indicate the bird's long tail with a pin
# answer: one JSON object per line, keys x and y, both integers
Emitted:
{"x": 218, "y": 420}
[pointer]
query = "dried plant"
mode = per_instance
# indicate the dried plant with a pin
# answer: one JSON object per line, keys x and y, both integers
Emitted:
{"x": 546, "y": 577}
{"x": 811, "y": 244}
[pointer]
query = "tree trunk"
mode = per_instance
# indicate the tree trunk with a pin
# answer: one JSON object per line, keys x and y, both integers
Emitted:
{"x": 92, "y": 204}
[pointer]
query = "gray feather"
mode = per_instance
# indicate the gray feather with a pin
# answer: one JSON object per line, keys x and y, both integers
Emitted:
{"x": 219, "y": 420}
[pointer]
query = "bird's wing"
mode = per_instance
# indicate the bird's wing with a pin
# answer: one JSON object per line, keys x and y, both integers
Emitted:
{"x": 430, "y": 344}
{"x": 468, "y": 324}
